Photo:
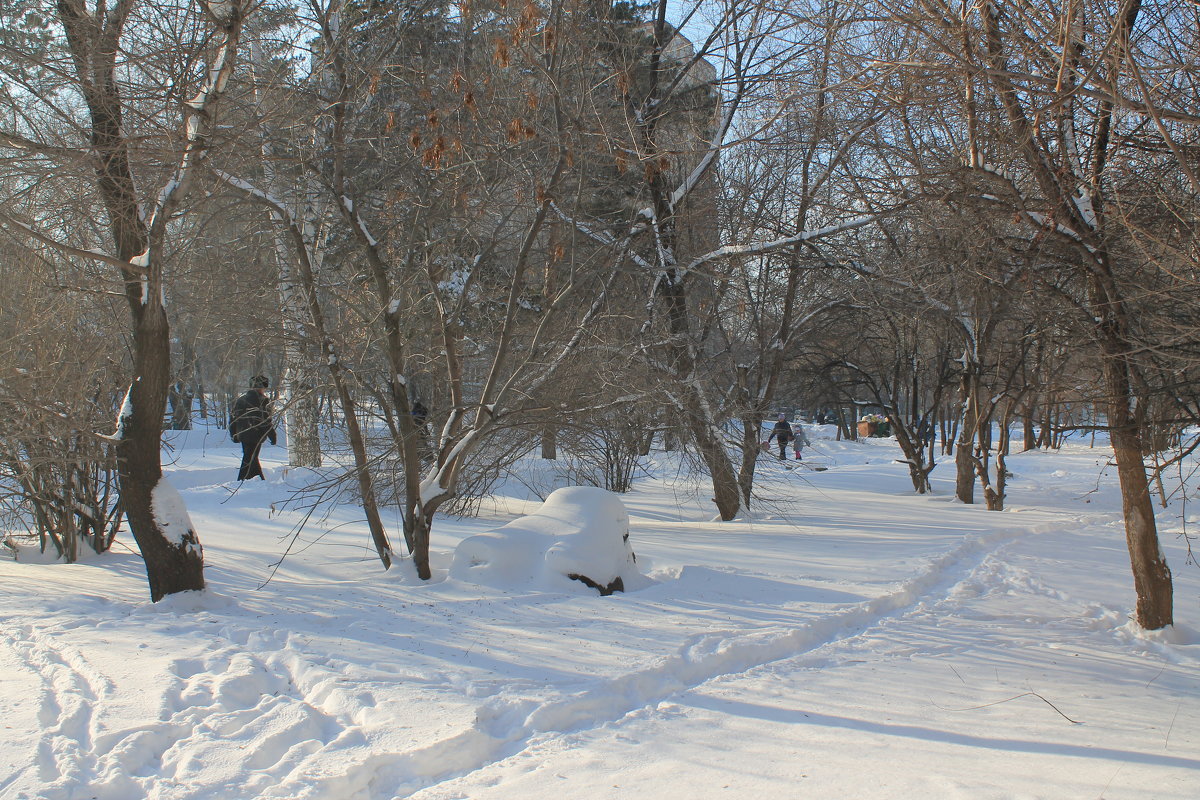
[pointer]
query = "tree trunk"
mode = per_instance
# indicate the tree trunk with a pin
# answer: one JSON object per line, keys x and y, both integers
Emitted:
{"x": 358, "y": 445}
{"x": 846, "y": 429}
{"x": 646, "y": 443}
{"x": 170, "y": 566}
{"x": 726, "y": 491}
{"x": 301, "y": 413}
{"x": 362, "y": 473}
{"x": 298, "y": 389}
{"x": 302, "y": 251}
{"x": 1151, "y": 575}
{"x": 964, "y": 463}
{"x": 422, "y": 533}
{"x": 180, "y": 402}
{"x": 751, "y": 426}
{"x": 994, "y": 493}
{"x": 173, "y": 564}
{"x": 1048, "y": 425}
{"x": 913, "y": 449}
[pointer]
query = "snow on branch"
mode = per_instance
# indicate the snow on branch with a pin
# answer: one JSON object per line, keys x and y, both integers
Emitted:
{"x": 433, "y": 485}
{"x": 359, "y": 223}
{"x": 200, "y": 114}
{"x": 1083, "y": 205}
{"x": 124, "y": 415}
{"x": 603, "y": 237}
{"x": 702, "y": 167}
{"x": 254, "y": 193}
{"x": 760, "y": 248}
{"x": 1042, "y": 221}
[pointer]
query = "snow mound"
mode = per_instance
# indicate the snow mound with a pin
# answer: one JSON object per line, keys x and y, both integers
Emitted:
{"x": 579, "y": 531}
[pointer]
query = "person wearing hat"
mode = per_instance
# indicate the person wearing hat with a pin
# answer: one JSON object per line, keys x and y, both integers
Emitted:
{"x": 782, "y": 432}
{"x": 250, "y": 423}
{"x": 799, "y": 440}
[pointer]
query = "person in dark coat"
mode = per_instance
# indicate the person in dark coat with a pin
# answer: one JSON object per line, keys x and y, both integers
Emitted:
{"x": 925, "y": 431}
{"x": 419, "y": 414}
{"x": 783, "y": 433}
{"x": 251, "y": 423}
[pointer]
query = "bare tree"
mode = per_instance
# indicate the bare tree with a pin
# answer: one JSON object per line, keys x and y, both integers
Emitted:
{"x": 59, "y": 377}
{"x": 100, "y": 50}
{"x": 1054, "y": 110}
{"x": 418, "y": 162}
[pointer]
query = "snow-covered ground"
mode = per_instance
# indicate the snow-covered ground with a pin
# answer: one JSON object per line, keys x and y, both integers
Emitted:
{"x": 849, "y": 639}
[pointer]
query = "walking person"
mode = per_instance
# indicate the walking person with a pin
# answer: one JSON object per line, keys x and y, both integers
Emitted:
{"x": 782, "y": 432}
{"x": 799, "y": 439}
{"x": 251, "y": 423}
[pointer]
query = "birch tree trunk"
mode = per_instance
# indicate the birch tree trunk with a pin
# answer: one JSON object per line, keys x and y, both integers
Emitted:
{"x": 964, "y": 465}
{"x": 298, "y": 390}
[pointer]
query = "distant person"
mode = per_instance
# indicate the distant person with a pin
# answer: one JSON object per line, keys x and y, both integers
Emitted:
{"x": 925, "y": 431}
{"x": 251, "y": 423}
{"x": 799, "y": 440}
{"x": 419, "y": 414}
{"x": 783, "y": 433}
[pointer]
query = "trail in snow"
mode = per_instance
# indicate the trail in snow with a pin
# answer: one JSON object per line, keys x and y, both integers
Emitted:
{"x": 215, "y": 697}
{"x": 68, "y": 695}
{"x": 253, "y": 685}
{"x": 511, "y": 722}
{"x": 988, "y": 697}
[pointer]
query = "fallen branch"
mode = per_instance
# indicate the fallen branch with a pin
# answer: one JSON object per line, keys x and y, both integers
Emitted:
{"x": 1016, "y": 697}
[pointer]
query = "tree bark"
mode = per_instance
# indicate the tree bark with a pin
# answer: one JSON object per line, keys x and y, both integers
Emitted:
{"x": 964, "y": 462}
{"x": 170, "y": 567}
{"x": 1113, "y": 328}
{"x": 751, "y": 426}
{"x": 1151, "y": 575}
{"x": 549, "y": 443}
{"x": 726, "y": 491}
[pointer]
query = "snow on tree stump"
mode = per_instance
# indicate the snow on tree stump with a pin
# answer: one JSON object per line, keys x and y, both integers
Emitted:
{"x": 579, "y": 537}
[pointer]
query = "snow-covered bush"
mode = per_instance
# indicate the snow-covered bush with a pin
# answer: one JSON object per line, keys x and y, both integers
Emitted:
{"x": 580, "y": 536}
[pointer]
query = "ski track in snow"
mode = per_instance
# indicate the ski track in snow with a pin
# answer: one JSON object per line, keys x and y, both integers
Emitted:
{"x": 505, "y": 726}
{"x": 311, "y": 733}
{"x": 66, "y": 704}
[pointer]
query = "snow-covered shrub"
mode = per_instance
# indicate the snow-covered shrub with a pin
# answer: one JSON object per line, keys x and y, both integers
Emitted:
{"x": 580, "y": 536}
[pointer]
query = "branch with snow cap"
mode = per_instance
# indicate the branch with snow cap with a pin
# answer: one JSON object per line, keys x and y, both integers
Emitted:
{"x": 1082, "y": 204}
{"x": 762, "y": 248}
{"x": 200, "y": 119}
